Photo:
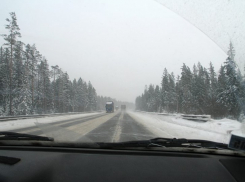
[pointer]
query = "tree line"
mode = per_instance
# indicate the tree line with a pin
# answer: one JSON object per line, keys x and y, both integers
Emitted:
{"x": 198, "y": 91}
{"x": 29, "y": 86}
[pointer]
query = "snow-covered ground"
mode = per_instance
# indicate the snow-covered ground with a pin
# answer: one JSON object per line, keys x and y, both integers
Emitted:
{"x": 158, "y": 125}
{"x": 176, "y": 127}
{"x": 24, "y": 123}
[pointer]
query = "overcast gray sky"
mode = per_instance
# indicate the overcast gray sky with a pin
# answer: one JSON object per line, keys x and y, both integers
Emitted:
{"x": 120, "y": 46}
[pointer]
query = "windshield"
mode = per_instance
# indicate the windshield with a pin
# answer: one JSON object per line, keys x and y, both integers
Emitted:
{"x": 115, "y": 71}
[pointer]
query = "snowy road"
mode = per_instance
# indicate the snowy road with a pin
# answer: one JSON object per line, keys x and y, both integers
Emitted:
{"x": 124, "y": 126}
{"x": 104, "y": 127}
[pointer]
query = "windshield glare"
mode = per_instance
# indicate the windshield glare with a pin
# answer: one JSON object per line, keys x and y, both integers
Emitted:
{"x": 117, "y": 71}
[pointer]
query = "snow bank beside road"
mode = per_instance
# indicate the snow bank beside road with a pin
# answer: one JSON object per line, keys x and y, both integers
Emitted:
{"x": 175, "y": 127}
{"x": 223, "y": 126}
{"x": 18, "y": 124}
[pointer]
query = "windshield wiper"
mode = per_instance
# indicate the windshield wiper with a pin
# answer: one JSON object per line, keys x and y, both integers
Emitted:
{"x": 167, "y": 142}
{"x": 21, "y": 136}
{"x": 182, "y": 142}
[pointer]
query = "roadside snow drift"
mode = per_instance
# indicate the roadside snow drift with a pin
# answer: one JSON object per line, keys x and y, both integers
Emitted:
{"x": 24, "y": 123}
{"x": 175, "y": 127}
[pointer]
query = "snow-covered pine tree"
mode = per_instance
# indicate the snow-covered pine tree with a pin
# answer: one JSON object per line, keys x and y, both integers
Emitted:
{"x": 157, "y": 99}
{"x": 90, "y": 96}
{"x": 151, "y": 98}
{"x": 47, "y": 90}
{"x": 145, "y": 97}
{"x": 11, "y": 41}
{"x": 187, "y": 98}
{"x": 165, "y": 90}
{"x": 59, "y": 91}
{"x": 18, "y": 76}
{"x": 35, "y": 58}
{"x": 66, "y": 93}
{"x": 25, "y": 101}
{"x": 53, "y": 74}
{"x": 138, "y": 103}
{"x": 85, "y": 98}
{"x": 213, "y": 106}
{"x": 94, "y": 100}
{"x": 194, "y": 90}
{"x": 233, "y": 92}
{"x": 206, "y": 104}
{"x": 179, "y": 95}
{"x": 172, "y": 94}
{"x": 5, "y": 90}
{"x": 201, "y": 94}
{"x": 79, "y": 91}
{"x": 222, "y": 109}
{"x": 74, "y": 96}
{"x": 44, "y": 91}
{"x": 1, "y": 81}
{"x": 82, "y": 95}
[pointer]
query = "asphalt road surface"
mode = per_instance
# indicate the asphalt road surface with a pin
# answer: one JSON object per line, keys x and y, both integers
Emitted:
{"x": 104, "y": 127}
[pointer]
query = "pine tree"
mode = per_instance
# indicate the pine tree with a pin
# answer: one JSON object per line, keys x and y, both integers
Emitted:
{"x": 85, "y": 98}
{"x": 90, "y": 96}
{"x": 25, "y": 101}
{"x": 35, "y": 57}
{"x": 195, "y": 88}
{"x": 11, "y": 41}
{"x": 74, "y": 96}
{"x": 206, "y": 104}
{"x": 66, "y": 93}
{"x": 179, "y": 94}
{"x": 151, "y": 98}
{"x": 82, "y": 94}
{"x": 138, "y": 103}
{"x": 59, "y": 90}
{"x": 1, "y": 81}
{"x": 157, "y": 99}
{"x": 172, "y": 94}
{"x": 201, "y": 93}
{"x": 43, "y": 90}
{"x": 94, "y": 100}
{"x": 54, "y": 73}
{"x": 213, "y": 106}
{"x": 165, "y": 90}
{"x": 18, "y": 77}
{"x": 187, "y": 98}
{"x": 5, "y": 90}
{"x": 232, "y": 94}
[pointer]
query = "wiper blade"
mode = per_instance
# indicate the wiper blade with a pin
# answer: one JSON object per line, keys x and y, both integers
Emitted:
{"x": 183, "y": 142}
{"x": 22, "y": 136}
{"x": 166, "y": 142}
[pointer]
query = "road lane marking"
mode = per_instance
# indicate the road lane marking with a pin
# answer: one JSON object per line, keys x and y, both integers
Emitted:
{"x": 76, "y": 132}
{"x": 60, "y": 123}
{"x": 90, "y": 125}
{"x": 118, "y": 129}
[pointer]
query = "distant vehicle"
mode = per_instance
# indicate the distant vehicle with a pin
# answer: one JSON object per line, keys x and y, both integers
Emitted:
{"x": 116, "y": 108}
{"x": 109, "y": 107}
{"x": 123, "y": 107}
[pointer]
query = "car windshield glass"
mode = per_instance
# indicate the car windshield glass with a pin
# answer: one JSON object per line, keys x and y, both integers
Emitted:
{"x": 119, "y": 71}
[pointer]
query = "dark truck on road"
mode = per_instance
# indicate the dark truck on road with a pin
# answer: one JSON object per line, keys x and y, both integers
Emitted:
{"x": 109, "y": 107}
{"x": 123, "y": 107}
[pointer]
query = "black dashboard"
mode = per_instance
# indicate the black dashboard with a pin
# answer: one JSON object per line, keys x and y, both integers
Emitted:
{"x": 75, "y": 164}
